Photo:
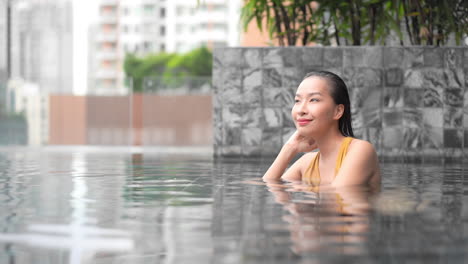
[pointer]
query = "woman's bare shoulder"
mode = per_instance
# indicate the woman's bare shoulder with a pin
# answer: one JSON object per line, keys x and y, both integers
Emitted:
{"x": 361, "y": 145}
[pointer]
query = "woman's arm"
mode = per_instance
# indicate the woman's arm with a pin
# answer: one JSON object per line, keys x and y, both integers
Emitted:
{"x": 295, "y": 145}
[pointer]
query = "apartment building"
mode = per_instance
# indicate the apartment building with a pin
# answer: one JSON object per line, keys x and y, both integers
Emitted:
{"x": 151, "y": 26}
{"x": 42, "y": 44}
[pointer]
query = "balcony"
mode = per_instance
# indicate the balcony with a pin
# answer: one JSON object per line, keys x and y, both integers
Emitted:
{"x": 108, "y": 2}
{"x": 107, "y": 37}
{"x": 108, "y": 19}
{"x": 107, "y": 54}
{"x": 106, "y": 74}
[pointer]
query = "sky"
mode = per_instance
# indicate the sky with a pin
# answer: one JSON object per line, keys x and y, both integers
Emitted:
{"x": 85, "y": 12}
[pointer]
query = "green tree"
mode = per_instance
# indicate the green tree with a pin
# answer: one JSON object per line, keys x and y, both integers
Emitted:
{"x": 172, "y": 67}
{"x": 358, "y": 22}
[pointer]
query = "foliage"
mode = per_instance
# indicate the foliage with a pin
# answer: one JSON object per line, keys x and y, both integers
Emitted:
{"x": 358, "y": 22}
{"x": 197, "y": 62}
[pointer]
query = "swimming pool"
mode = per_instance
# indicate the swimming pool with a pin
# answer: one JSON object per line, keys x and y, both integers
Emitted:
{"x": 108, "y": 206}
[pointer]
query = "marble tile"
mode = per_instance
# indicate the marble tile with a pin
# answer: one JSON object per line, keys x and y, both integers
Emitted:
{"x": 234, "y": 151}
{"x": 273, "y": 117}
{"x": 251, "y": 79}
{"x": 453, "y": 58}
{"x": 465, "y": 109}
{"x": 394, "y": 77}
{"x": 373, "y": 135}
{"x": 251, "y": 151}
{"x": 392, "y": 138}
{"x": 253, "y": 58}
{"x": 252, "y": 117}
{"x": 232, "y": 57}
{"x": 466, "y": 138}
{"x": 332, "y": 57}
{"x": 413, "y": 97}
{"x": 413, "y": 78}
{"x": 413, "y": 117}
{"x": 362, "y": 77}
{"x": 218, "y": 58}
{"x": 230, "y": 80}
{"x": 392, "y": 57}
{"x": 231, "y": 97}
{"x": 363, "y": 56}
{"x": 292, "y": 57}
{"x": 366, "y": 107}
{"x": 465, "y": 73}
{"x": 433, "y": 116}
{"x": 271, "y": 78}
{"x": 393, "y": 97}
{"x": 312, "y": 57}
{"x": 231, "y": 136}
{"x": 433, "y": 138}
{"x": 232, "y": 116}
{"x": 433, "y": 57}
{"x": 433, "y": 97}
{"x": 453, "y": 97}
{"x": 273, "y": 58}
{"x": 287, "y": 118}
{"x": 217, "y": 78}
{"x": 453, "y": 117}
{"x": 271, "y": 139}
{"x": 392, "y": 117}
{"x": 291, "y": 77}
{"x": 252, "y": 98}
{"x": 217, "y": 131}
{"x": 337, "y": 71}
{"x": 412, "y": 138}
{"x": 453, "y": 138}
{"x": 251, "y": 136}
{"x": 412, "y": 57}
{"x": 274, "y": 97}
{"x": 216, "y": 99}
{"x": 465, "y": 58}
{"x": 433, "y": 78}
{"x": 443, "y": 78}
{"x": 286, "y": 134}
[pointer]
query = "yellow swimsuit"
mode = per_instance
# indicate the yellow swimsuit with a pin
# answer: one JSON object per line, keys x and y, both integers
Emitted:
{"x": 312, "y": 174}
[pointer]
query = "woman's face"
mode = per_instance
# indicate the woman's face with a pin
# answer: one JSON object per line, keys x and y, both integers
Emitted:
{"x": 314, "y": 110}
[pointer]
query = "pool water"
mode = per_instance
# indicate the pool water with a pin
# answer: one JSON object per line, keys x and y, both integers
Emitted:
{"x": 112, "y": 206}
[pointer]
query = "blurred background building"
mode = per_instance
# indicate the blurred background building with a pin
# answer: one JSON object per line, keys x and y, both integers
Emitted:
{"x": 151, "y": 26}
{"x": 61, "y": 63}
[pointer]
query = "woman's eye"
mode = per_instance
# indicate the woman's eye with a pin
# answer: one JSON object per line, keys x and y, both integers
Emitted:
{"x": 314, "y": 100}
{"x": 296, "y": 101}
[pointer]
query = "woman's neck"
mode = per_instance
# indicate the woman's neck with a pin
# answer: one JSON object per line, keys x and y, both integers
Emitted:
{"x": 329, "y": 143}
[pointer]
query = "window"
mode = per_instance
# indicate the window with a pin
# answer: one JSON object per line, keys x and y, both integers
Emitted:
{"x": 126, "y": 11}
{"x": 162, "y": 31}
{"x": 148, "y": 9}
{"x": 180, "y": 10}
{"x": 162, "y": 12}
{"x": 148, "y": 46}
{"x": 179, "y": 28}
{"x": 162, "y": 48}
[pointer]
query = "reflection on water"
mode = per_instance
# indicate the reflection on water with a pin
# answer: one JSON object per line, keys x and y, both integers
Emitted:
{"x": 118, "y": 207}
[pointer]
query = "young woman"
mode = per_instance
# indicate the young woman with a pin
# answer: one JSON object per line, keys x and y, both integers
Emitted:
{"x": 322, "y": 115}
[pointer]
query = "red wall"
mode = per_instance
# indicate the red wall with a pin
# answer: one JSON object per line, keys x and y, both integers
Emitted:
{"x": 137, "y": 120}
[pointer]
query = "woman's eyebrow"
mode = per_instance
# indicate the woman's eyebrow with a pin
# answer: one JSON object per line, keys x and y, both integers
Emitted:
{"x": 310, "y": 94}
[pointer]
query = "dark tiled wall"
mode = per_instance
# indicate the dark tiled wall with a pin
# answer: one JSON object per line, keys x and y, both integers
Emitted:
{"x": 409, "y": 102}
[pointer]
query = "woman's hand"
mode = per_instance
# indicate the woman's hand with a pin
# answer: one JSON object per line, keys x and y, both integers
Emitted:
{"x": 299, "y": 143}
{"x": 296, "y": 143}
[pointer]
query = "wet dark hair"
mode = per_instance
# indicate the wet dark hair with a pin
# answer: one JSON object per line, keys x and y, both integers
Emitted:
{"x": 339, "y": 93}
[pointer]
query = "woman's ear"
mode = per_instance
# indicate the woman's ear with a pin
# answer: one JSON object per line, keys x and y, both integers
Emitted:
{"x": 339, "y": 111}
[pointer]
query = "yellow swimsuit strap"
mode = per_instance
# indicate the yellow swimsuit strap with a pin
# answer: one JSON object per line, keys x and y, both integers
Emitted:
{"x": 312, "y": 174}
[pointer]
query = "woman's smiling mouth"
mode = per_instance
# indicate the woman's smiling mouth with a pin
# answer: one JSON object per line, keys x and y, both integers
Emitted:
{"x": 303, "y": 122}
